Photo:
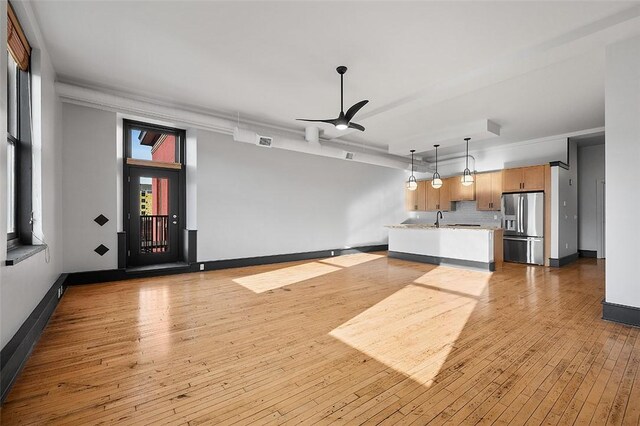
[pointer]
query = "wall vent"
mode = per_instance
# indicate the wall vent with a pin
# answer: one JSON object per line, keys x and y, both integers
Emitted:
{"x": 348, "y": 156}
{"x": 265, "y": 141}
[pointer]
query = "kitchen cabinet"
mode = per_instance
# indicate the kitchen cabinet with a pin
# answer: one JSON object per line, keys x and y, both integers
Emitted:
{"x": 459, "y": 192}
{"x": 439, "y": 199}
{"x": 523, "y": 179}
{"x": 421, "y": 194}
{"x": 411, "y": 200}
{"x": 416, "y": 200}
{"x": 489, "y": 190}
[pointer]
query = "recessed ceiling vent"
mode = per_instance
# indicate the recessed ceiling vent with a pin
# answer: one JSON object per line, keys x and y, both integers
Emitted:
{"x": 265, "y": 141}
{"x": 348, "y": 156}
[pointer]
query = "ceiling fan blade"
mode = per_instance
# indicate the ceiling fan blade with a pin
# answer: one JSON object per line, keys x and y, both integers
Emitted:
{"x": 331, "y": 121}
{"x": 354, "y": 109}
{"x": 356, "y": 126}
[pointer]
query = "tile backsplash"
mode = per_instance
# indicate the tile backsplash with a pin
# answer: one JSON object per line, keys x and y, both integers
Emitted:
{"x": 465, "y": 212}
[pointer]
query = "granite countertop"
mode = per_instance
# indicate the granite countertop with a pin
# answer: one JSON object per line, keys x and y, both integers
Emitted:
{"x": 425, "y": 226}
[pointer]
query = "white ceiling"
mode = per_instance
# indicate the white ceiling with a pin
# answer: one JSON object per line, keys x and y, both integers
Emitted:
{"x": 535, "y": 68}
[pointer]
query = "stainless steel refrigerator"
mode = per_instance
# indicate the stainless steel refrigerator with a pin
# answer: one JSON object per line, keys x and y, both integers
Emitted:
{"x": 523, "y": 223}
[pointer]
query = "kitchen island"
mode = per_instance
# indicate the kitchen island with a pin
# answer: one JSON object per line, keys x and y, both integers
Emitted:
{"x": 474, "y": 247}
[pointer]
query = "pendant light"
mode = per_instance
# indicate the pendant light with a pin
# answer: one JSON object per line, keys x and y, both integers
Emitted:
{"x": 467, "y": 177}
{"x": 412, "y": 185}
{"x": 436, "y": 182}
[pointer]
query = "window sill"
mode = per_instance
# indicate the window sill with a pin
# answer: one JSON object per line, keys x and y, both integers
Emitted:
{"x": 19, "y": 253}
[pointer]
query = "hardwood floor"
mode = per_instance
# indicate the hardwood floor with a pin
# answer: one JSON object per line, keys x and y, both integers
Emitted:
{"x": 349, "y": 340}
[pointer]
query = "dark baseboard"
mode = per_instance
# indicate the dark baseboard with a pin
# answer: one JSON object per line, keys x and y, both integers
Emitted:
{"x": 92, "y": 277}
{"x": 557, "y": 263}
{"x": 190, "y": 245}
{"x": 122, "y": 250}
{"x": 16, "y": 352}
{"x": 280, "y": 258}
{"x": 444, "y": 261}
{"x": 628, "y": 315}
{"x": 588, "y": 253}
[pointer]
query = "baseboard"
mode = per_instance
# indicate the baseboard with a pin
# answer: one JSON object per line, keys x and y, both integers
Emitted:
{"x": 588, "y": 253}
{"x": 444, "y": 261}
{"x": 628, "y": 315}
{"x": 558, "y": 263}
{"x": 16, "y": 352}
{"x": 92, "y": 277}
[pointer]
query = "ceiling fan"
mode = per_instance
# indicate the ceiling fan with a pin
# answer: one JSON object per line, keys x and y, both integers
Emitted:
{"x": 344, "y": 119}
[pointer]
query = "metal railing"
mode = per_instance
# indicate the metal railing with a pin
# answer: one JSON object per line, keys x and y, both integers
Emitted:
{"x": 154, "y": 233}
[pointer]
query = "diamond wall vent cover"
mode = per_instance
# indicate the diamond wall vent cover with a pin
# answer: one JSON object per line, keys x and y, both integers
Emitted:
{"x": 101, "y": 220}
{"x": 101, "y": 249}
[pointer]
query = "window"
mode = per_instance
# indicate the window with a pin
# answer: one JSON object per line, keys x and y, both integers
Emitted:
{"x": 18, "y": 135}
{"x": 147, "y": 143}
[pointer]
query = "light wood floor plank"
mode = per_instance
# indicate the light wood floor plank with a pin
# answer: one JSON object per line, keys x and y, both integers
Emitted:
{"x": 358, "y": 339}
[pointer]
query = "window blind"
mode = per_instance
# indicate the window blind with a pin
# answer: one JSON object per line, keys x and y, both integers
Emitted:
{"x": 17, "y": 43}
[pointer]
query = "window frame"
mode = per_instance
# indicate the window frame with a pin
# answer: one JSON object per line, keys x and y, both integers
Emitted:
{"x": 22, "y": 144}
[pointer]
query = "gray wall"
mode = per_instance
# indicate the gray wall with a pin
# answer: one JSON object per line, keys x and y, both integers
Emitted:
{"x": 622, "y": 110}
{"x": 24, "y": 285}
{"x": 89, "y": 182}
{"x": 255, "y": 201}
{"x": 590, "y": 173}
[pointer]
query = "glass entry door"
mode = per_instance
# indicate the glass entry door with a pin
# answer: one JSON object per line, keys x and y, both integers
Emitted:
{"x": 154, "y": 220}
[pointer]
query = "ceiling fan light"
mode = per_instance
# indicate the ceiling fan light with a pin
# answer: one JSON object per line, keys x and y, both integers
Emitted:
{"x": 342, "y": 126}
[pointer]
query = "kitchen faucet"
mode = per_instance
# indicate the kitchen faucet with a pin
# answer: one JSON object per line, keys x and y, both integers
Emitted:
{"x": 438, "y": 217}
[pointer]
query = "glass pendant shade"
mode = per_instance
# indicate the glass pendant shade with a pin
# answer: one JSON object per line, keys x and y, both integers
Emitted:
{"x": 436, "y": 182}
{"x": 467, "y": 178}
{"x": 412, "y": 185}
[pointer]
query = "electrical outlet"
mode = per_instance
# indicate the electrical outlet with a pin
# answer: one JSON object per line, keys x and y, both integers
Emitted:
{"x": 202, "y": 266}
{"x": 59, "y": 292}
{"x": 566, "y": 245}
{"x": 495, "y": 217}
{"x": 331, "y": 252}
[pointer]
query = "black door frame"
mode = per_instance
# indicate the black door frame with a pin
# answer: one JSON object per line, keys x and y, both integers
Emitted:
{"x": 182, "y": 187}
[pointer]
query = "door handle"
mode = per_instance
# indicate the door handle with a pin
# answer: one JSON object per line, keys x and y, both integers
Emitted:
{"x": 175, "y": 222}
{"x": 175, "y": 216}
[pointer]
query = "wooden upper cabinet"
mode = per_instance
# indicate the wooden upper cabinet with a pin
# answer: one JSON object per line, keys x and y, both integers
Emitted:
{"x": 523, "y": 179}
{"x": 439, "y": 199}
{"x": 512, "y": 180}
{"x": 459, "y": 192}
{"x": 533, "y": 178}
{"x": 488, "y": 191}
{"x": 422, "y": 195}
{"x": 411, "y": 200}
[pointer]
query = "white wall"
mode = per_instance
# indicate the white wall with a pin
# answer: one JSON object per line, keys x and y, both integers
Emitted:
{"x": 520, "y": 154}
{"x": 590, "y": 174}
{"x": 89, "y": 187}
{"x": 622, "y": 149}
{"x": 24, "y": 285}
{"x": 564, "y": 212}
{"x": 255, "y": 201}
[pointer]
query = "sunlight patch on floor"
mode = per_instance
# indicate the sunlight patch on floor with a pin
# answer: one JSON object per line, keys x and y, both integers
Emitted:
{"x": 414, "y": 330}
{"x": 351, "y": 259}
{"x": 265, "y": 281}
